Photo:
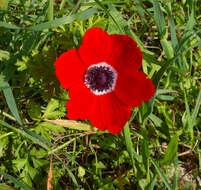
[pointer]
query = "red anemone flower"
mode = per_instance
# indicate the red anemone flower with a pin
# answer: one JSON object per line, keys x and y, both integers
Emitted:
{"x": 103, "y": 79}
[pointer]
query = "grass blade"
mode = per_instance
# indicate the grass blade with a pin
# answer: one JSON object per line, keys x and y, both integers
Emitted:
{"x": 171, "y": 151}
{"x": 164, "y": 179}
{"x": 23, "y": 133}
{"x": 39, "y": 142}
{"x": 53, "y": 23}
{"x": 196, "y": 109}
{"x": 86, "y": 14}
{"x": 158, "y": 75}
{"x": 129, "y": 144}
{"x": 159, "y": 18}
{"x": 151, "y": 186}
{"x": 63, "y": 20}
{"x": 68, "y": 170}
{"x": 189, "y": 126}
{"x": 5, "y": 135}
{"x": 16, "y": 181}
{"x": 172, "y": 30}
{"x": 117, "y": 21}
{"x": 64, "y": 145}
{"x": 140, "y": 10}
{"x": 190, "y": 23}
{"x": 61, "y": 6}
{"x": 72, "y": 124}
{"x": 9, "y": 26}
{"x": 121, "y": 30}
{"x": 11, "y": 103}
{"x": 50, "y": 12}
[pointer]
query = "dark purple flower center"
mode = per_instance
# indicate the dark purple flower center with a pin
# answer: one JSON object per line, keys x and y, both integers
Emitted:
{"x": 100, "y": 78}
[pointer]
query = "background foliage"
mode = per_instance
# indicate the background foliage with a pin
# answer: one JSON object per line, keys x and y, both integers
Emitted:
{"x": 160, "y": 145}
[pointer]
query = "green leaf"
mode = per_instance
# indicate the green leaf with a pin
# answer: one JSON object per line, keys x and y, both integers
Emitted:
{"x": 3, "y": 4}
{"x": 141, "y": 10}
{"x": 53, "y": 23}
{"x": 9, "y": 26}
{"x": 32, "y": 171}
{"x": 68, "y": 156}
{"x": 62, "y": 4}
{"x": 159, "y": 18}
{"x": 72, "y": 176}
{"x": 196, "y": 109}
{"x": 51, "y": 107}
{"x": 86, "y": 14}
{"x": 68, "y": 170}
{"x": 129, "y": 144}
{"x": 4, "y": 55}
{"x": 81, "y": 172}
{"x": 151, "y": 186}
{"x": 199, "y": 153}
{"x": 100, "y": 165}
{"x": 47, "y": 126}
{"x": 64, "y": 144}
{"x": 64, "y": 20}
{"x": 28, "y": 134}
{"x": 173, "y": 34}
{"x": 157, "y": 121}
{"x": 163, "y": 177}
{"x": 113, "y": 15}
{"x": 3, "y": 82}
{"x": 38, "y": 163}
{"x": 166, "y": 97}
{"x": 149, "y": 58}
{"x": 117, "y": 24}
{"x": 52, "y": 110}
{"x": 5, "y": 135}
{"x": 167, "y": 47}
{"x": 39, "y": 153}
{"x": 145, "y": 152}
{"x": 190, "y": 22}
{"x": 20, "y": 163}
{"x": 50, "y": 12}
{"x": 22, "y": 64}
{"x": 171, "y": 151}
{"x": 34, "y": 111}
{"x": 16, "y": 181}
{"x": 11, "y": 103}
{"x": 165, "y": 91}
{"x": 156, "y": 79}
{"x": 187, "y": 117}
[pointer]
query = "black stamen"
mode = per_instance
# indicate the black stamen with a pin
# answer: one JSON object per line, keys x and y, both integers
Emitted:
{"x": 99, "y": 78}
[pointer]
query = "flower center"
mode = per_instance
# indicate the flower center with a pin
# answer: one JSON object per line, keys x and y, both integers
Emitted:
{"x": 100, "y": 78}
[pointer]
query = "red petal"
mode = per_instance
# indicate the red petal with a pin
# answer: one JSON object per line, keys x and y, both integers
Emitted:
{"x": 109, "y": 113}
{"x": 96, "y": 46}
{"x": 134, "y": 87}
{"x": 95, "y": 114}
{"x": 79, "y": 105}
{"x": 84, "y": 105}
{"x": 125, "y": 54}
{"x": 69, "y": 68}
{"x": 104, "y": 112}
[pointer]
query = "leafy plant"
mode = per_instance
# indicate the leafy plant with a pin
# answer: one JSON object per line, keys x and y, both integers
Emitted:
{"x": 160, "y": 145}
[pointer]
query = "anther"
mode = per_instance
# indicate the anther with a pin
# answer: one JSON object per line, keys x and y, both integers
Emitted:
{"x": 100, "y": 78}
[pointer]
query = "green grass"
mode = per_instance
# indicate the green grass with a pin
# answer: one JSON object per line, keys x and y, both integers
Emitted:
{"x": 159, "y": 147}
